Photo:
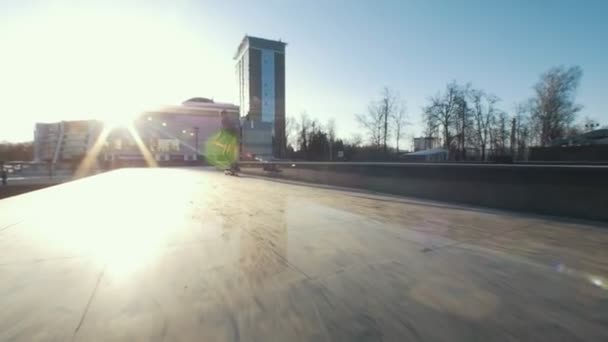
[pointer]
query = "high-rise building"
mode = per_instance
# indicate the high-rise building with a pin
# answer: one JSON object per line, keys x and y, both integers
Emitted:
{"x": 260, "y": 70}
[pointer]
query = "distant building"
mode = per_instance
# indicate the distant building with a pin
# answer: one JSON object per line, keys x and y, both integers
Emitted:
{"x": 255, "y": 136}
{"x": 171, "y": 134}
{"x": 426, "y": 143}
{"x": 596, "y": 137}
{"x": 174, "y": 133}
{"x": 260, "y": 71}
{"x": 65, "y": 140}
{"x": 587, "y": 147}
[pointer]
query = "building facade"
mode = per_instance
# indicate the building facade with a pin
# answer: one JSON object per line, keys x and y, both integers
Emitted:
{"x": 426, "y": 143}
{"x": 595, "y": 137}
{"x": 172, "y": 134}
{"x": 255, "y": 136}
{"x": 260, "y": 71}
{"x": 65, "y": 141}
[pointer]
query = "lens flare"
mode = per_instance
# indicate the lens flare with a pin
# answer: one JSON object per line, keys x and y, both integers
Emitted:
{"x": 222, "y": 149}
{"x": 89, "y": 162}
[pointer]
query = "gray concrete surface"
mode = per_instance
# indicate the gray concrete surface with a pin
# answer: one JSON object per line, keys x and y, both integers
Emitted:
{"x": 194, "y": 255}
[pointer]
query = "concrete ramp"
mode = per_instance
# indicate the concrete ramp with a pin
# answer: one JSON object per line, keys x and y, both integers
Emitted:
{"x": 194, "y": 255}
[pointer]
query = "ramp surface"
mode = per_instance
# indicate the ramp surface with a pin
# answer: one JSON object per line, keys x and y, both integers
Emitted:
{"x": 194, "y": 255}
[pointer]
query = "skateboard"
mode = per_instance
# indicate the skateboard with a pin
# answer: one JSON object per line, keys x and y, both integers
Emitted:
{"x": 230, "y": 172}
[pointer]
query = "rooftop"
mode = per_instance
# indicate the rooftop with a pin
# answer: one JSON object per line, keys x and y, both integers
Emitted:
{"x": 259, "y": 43}
{"x": 428, "y": 152}
{"x": 197, "y": 100}
{"x": 597, "y": 136}
{"x": 196, "y": 106}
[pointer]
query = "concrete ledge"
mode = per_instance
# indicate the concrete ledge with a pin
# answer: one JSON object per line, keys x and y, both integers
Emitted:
{"x": 563, "y": 190}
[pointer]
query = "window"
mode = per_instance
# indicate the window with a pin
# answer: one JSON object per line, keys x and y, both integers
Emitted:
{"x": 168, "y": 145}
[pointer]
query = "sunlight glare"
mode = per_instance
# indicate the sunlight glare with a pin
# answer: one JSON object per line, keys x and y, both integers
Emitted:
{"x": 117, "y": 223}
{"x": 89, "y": 162}
{"x": 95, "y": 70}
{"x": 149, "y": 159}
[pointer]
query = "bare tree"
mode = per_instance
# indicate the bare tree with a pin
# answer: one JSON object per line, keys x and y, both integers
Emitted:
{"x": 355, "y": 140}
{"x": 430, "y": 127}
{"x": 399, "y": 121}
{"x": 463, "y": 122}
{"x": 387, "y": 107}
{"x": 441, "y": 113}
{"x": 483, "y": 108}
{"x": 521, "y": 123}
{"x": 499, "y": 133}
{"x": 372, "y": 123}
{"x": 553, "y": 107}
{"x": 304, "y": 130}
{"x": 378, "y": 119}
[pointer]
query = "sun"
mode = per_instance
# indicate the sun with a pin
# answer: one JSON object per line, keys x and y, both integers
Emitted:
{"x": 111, "y": 123}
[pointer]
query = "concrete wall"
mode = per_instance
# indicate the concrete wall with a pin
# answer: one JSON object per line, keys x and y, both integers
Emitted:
{"x": 574, "y": 191}
{"x": 570, "y": 153}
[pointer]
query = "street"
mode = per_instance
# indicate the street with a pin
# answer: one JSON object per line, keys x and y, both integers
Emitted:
{"x": 195, "y": 255}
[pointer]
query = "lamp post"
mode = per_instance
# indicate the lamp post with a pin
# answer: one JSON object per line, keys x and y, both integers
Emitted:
{"x": 591, "y": 126}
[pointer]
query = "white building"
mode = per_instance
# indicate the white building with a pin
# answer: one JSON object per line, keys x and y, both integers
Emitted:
{"x": 175, "y": 133}
{"x": 426, "y": 143}
{"x": 171, "y": 134}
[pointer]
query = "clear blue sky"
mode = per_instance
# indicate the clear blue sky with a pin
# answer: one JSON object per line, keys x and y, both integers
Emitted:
{"x": 112, "y": 56}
